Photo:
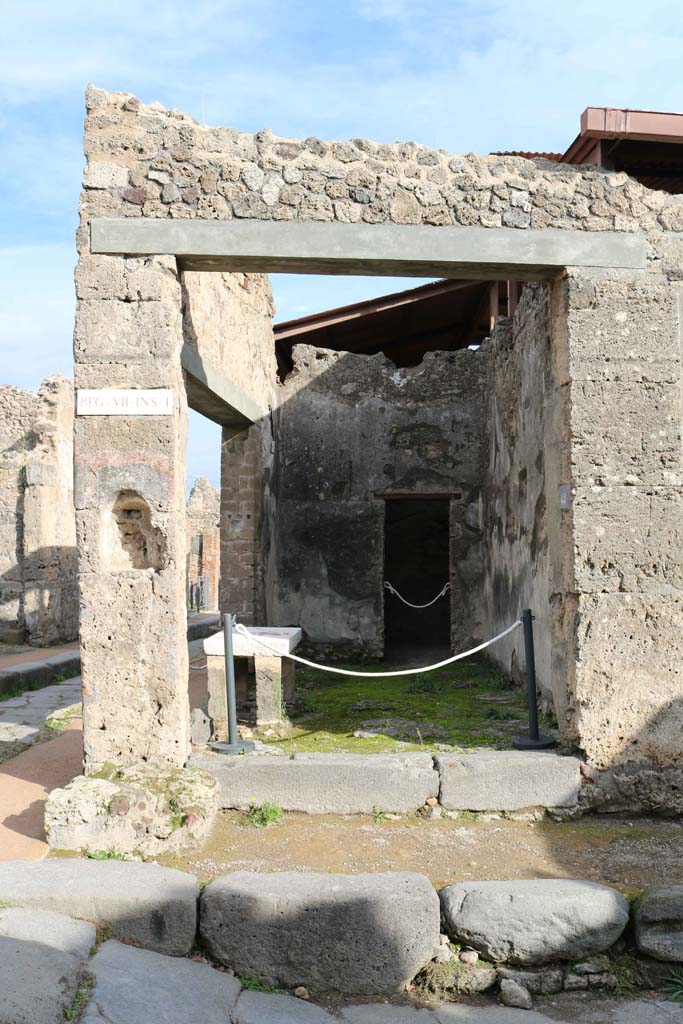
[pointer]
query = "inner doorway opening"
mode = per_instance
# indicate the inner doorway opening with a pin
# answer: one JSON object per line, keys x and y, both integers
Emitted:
{"x": 416, "y": 563}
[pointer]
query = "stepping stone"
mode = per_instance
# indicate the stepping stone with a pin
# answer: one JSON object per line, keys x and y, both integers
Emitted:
{"x": 459, "y": 1014}
{"x": 272, "y": 1008}
{"x": 658, "y": 922}
{"x": 41, "y": 959}
{"x": 373, "y": 1013}
{"x": 368, "y": 933}
{"x": 136, "y": 986}
{"x": 531, "y": 922}
{"x": 145, "y": 904}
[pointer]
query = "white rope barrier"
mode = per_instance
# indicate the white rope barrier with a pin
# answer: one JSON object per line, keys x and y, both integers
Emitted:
{"x": 243, "y": 631}
{"x": 392, "y": 590}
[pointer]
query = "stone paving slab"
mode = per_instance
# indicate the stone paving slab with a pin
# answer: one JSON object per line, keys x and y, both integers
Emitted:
{"x": 378, "y": 1013}
{"x": 136, "y": 986}
{"x": 22, "y": 719}
{"x": 145, "y": 904}
{"x": 324, "y": 783}
{"x": 272, "y": 1008}
{"x": 41, "y": 958}
{"x": 505, "y": 780}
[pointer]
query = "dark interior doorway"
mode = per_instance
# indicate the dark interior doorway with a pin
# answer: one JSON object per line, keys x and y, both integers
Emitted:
{"x": 416, "y": 563}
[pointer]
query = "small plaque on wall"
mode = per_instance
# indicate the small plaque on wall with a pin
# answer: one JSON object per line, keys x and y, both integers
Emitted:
{"x": 124, "y": 402}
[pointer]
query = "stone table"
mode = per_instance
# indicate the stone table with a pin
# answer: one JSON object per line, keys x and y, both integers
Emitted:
{"x": 274, "y": 672}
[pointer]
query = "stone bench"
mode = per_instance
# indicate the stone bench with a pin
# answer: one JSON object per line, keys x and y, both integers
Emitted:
{"x": 274, "y": 672}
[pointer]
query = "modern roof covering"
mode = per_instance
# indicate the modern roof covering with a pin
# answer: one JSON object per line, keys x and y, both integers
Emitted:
{"x": 645, "y": 144}
{"x": 443, "y": 315}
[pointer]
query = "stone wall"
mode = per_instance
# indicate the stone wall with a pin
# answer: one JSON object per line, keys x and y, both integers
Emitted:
{"x": 145, "y": 161}
{"x": 38, "y": 593}
{"x": 523, "y": 524}
{"x": 350, "y": 429}
{"x": 203, "y": 540}
{"x": 228, "y": 321}
{"x": 623, "y": 334}
{"x": 614, "y": 337}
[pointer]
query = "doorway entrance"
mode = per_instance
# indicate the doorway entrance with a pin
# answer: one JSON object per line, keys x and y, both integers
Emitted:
{"x": 416, "y": 563}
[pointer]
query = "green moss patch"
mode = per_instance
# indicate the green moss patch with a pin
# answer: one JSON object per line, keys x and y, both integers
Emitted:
{"x": 468, "y": 704}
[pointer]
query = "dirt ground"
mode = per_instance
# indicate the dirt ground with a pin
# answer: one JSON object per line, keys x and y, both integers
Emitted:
{"x": 629, "y": 853}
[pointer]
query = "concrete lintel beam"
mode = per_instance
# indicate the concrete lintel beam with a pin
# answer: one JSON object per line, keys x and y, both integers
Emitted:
{"x": 210, "y": 393}
{"x": 376, "y": 249}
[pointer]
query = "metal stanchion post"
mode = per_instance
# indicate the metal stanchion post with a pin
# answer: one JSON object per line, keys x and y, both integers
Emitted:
{"x": 234, "y": 744}
{"x": 532, "y": 741}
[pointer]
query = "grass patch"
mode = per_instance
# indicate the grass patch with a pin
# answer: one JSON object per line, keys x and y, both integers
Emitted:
{"x": 105, "y": 855}
{"x": 448, "y": 708}
{"x": 80, "y": 999}
{"x": 674, "y": 986}
{"x": 263, "y": 815}
{"x": 33, "y": 684}
{"x": 254, "y": 985}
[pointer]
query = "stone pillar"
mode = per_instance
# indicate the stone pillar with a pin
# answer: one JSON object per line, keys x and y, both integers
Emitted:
{"x": 624, "y": 372}
{"x": 239, "y": 523}
{"x": 130, "y": 515}
{"x": 274, "y": 680}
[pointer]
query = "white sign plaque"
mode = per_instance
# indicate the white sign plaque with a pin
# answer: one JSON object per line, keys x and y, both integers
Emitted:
{"x": 124, "y": 402}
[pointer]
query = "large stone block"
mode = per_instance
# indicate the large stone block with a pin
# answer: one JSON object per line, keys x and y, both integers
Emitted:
{"x": 325, "y": 783}
{"x": 530, "y": 922}
{"x": 348, "y": 933}
{"x": 136, "y": 986}
{"x": 659, "y": 922}
{"x": 144, "y": 904}
{"x": 143, "y": 809}
{"x": 507, "y": 781}
{"x": 41, "y": 957}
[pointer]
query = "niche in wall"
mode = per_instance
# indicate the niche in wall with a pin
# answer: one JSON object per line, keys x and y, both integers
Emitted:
{"x": 131, "y": 540}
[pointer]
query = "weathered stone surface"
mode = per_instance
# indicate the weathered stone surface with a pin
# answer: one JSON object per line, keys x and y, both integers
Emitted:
{"x": 514, "y": 994}
{"x": 507, "y": 780}
{"x": 272, "y": 1008}
{"x": 142, "y": 809}
{"x": 37, "y": 534}
{"x": 136, "y": 986}
{"x": 385, "y": 1014}
{"x": 658, "y": 919}
{"x": 603, "y": 577}
{"x": 201, "y": 728}
{"x": 325, "y": 783}
{"x": 41, "y": 957}
{"x": 144, "y": 904}
{"x": 468, "y": 979}
{"x": 459, "y": 1014}
{"x": 544, "y": 982}
{"x": 531, "y": 922}
{"x": 370, "y": 933}
{"x": 354, "y": 418}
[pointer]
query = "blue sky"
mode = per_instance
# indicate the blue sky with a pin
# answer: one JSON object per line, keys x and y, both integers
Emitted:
{"x": 464, "y": 75}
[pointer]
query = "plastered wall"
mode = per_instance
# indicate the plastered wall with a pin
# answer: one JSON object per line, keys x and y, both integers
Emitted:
{"x": 350, "y": 430}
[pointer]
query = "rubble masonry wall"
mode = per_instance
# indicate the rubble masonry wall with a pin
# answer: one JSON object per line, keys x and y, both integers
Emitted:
{"x": 351, "y": 429}
{"x": 38, "y": 589}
